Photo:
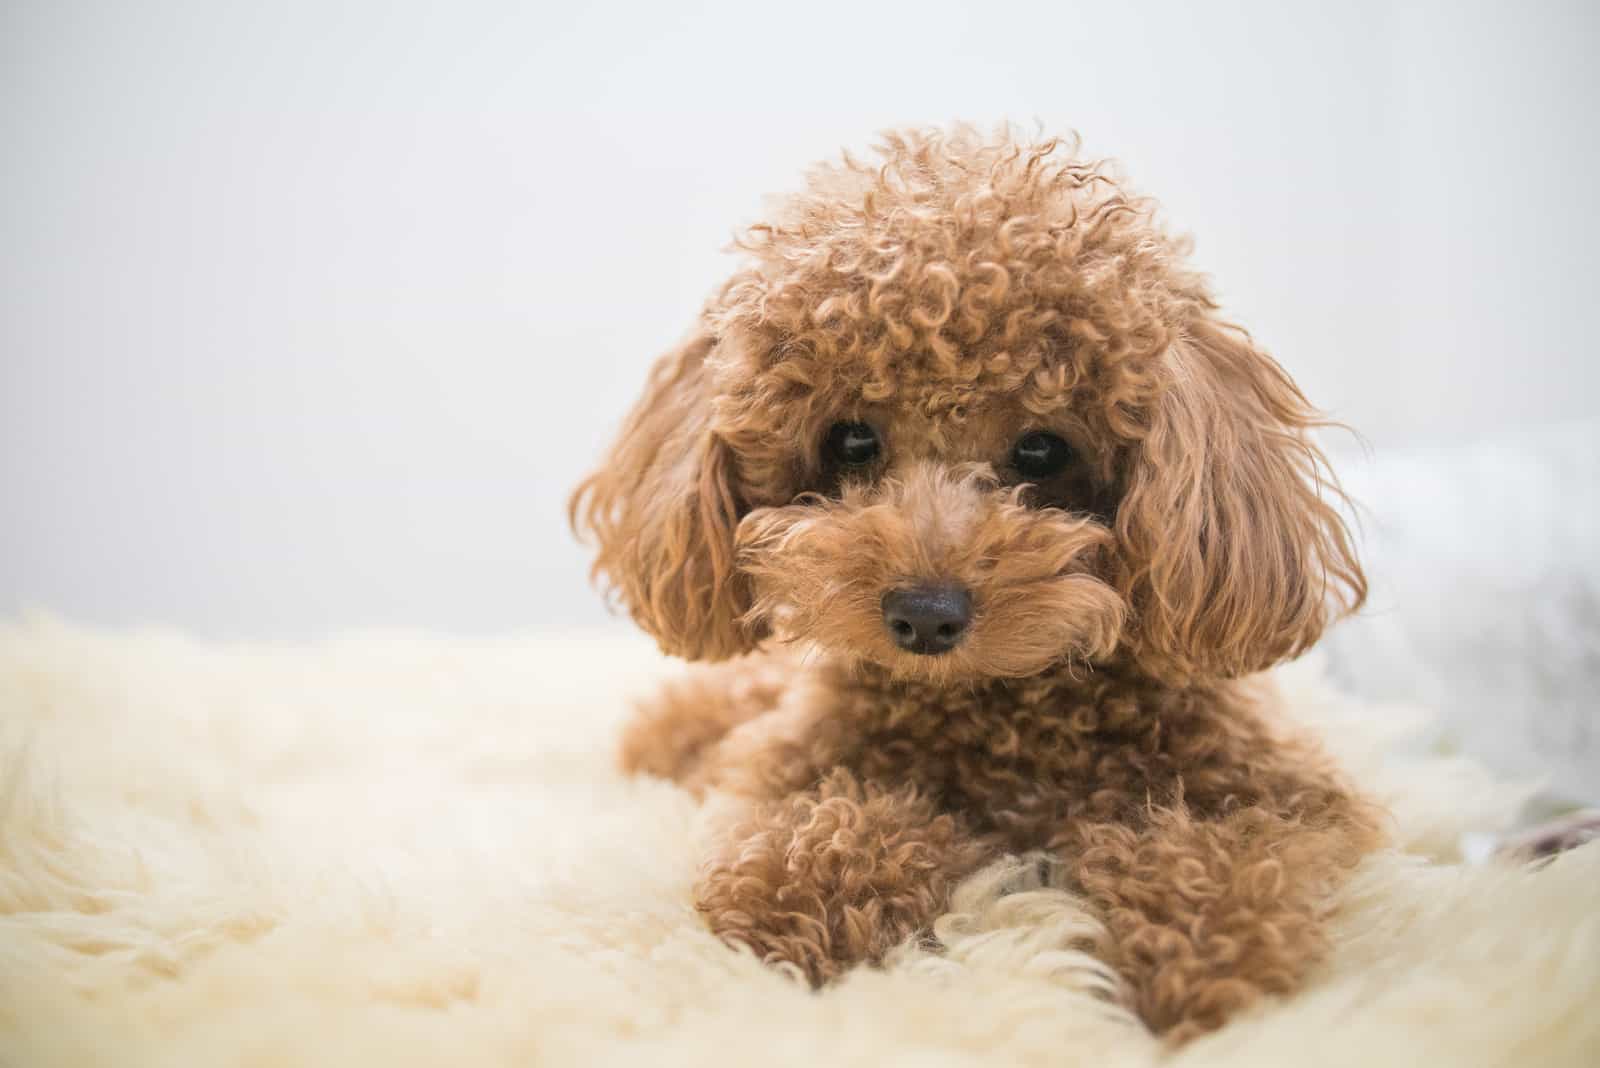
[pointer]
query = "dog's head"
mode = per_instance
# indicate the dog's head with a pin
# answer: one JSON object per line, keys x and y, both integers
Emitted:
{"x": 965, "y": 413}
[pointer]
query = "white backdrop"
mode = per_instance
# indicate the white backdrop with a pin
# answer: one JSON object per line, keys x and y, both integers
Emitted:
{"x": 311, "y": 313}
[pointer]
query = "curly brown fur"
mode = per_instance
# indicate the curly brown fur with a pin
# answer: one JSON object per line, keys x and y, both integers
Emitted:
{"x": 955, "y": 295}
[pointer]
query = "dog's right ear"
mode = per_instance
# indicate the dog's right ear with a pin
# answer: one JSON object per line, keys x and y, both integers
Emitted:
{"x": 662, "y": 509}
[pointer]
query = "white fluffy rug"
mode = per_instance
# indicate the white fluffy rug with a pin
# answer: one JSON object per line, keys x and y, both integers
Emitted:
{"x": 396, "y": 850}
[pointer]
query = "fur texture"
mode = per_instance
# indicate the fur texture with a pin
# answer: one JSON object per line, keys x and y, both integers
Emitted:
{"x": 407, "y": 851}
{"x": 956, "y": 295}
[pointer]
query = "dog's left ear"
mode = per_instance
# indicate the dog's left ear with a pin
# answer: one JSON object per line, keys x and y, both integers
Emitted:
{"x": 1232, "y": 558}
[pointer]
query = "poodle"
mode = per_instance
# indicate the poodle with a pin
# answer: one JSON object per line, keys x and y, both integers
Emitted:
{"x": 987, "y": 517}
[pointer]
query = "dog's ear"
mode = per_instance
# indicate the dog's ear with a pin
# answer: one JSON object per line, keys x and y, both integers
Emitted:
{"x": 1232, "y": 558}
{"x": 662, "y": 508}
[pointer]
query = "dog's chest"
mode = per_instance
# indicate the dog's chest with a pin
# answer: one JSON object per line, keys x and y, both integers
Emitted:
{"x": 1021, "y": 756}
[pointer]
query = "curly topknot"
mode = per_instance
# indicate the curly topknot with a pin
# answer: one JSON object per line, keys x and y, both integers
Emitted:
{"x": 957, "y": 266}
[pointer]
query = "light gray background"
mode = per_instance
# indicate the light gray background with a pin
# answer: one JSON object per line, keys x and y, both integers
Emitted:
{"x": 311, "y": 313}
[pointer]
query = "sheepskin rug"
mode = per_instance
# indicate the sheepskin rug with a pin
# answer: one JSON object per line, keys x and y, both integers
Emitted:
{"x": 396, "y": 850}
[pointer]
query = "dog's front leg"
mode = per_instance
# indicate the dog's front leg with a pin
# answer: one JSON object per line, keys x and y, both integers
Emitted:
{"x": 1206, "y": 915}
{"x": 836, "y": 875}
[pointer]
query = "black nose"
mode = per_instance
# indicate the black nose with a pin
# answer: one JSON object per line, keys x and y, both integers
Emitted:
{"x": 927, "y": 619}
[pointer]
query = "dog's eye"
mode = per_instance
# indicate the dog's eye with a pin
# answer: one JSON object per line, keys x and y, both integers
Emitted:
{"x": 852, "y": 444}
{"x": 1040, "y": 455}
